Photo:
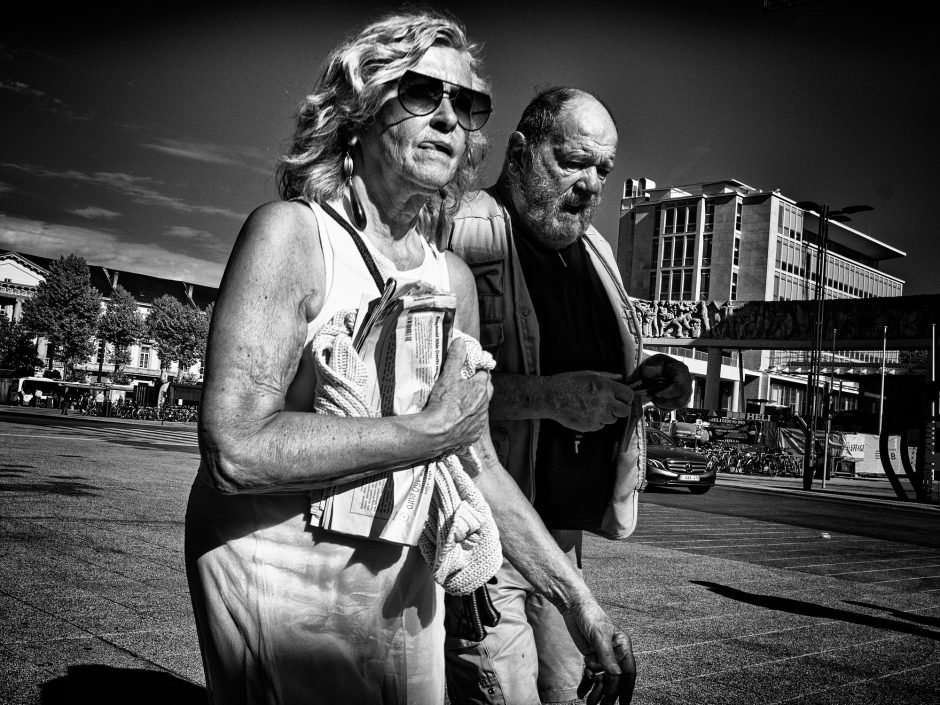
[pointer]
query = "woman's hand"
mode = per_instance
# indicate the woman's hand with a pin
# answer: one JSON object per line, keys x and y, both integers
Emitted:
{"x": 456, "y": 410}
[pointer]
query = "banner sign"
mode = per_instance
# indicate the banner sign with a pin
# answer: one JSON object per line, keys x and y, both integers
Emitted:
{"x": 864, "y": 450}
{"x": 854, "y": 448}
{"x": 734, "y": 431}
{"x": 793, "y": 441}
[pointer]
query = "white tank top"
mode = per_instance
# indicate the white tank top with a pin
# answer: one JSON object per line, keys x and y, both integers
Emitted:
{"x": 348, "y": 278}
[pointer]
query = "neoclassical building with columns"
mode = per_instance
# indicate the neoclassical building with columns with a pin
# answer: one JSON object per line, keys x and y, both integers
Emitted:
{"x": 21, "y": 273}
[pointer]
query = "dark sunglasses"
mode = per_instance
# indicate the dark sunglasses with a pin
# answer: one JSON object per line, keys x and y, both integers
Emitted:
{"x": 421, "y": 95}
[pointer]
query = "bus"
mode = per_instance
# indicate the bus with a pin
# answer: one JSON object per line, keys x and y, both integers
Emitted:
{"x": 31, "y": 391}
{"x": 40, "y": 391}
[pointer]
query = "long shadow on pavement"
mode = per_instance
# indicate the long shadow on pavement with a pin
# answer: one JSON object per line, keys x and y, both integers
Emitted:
{"x": 909, "y": 616}
{"x": 106, "y": 685}
{"x": 810, "y": 609}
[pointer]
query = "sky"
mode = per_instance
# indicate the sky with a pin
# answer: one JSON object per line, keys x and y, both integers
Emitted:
{"x": 141, "y": 138}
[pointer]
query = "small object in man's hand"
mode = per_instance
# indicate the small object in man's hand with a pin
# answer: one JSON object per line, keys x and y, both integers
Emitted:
{"x": 666, "y": 381}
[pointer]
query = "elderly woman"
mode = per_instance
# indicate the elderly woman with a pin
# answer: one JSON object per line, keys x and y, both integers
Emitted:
{"x": 287, "y": 611}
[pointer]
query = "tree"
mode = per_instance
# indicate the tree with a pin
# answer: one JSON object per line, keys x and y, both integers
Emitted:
{"x": 179, "y": 332}
{"x": 163, "y": 325}
{"x": 65, "y": 310}
{"x": 193, "y": 348}
{"x": 121, "y": 325}
{"x": 17, "y": 348}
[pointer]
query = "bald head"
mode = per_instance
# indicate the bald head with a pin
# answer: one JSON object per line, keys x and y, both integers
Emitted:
{"x": 539, "y": 117}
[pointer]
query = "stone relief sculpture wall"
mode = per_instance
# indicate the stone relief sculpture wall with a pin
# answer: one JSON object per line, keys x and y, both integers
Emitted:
{"x": 907, "y": 318}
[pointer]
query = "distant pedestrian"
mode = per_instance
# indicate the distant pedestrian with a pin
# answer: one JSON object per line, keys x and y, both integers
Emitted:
{"x": 64, "y": 404}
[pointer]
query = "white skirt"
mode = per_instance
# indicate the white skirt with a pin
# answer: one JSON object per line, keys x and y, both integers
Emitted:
{"x": 291, "y": 615}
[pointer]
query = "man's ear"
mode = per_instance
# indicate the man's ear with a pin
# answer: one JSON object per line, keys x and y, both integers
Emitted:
{"x": 515, "y": 149}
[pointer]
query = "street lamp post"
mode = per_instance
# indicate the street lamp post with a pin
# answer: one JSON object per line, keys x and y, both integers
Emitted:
{"x": 819, "y": 296}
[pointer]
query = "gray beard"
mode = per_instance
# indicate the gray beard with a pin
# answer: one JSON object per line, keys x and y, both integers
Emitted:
{"x": 554, "y": 227}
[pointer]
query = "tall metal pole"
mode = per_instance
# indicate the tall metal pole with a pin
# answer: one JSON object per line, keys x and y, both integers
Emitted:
{"x": 930, "y": 436}
{"x": 809, "y": 451}
{"x": 832, "y": 369}
{"x": 881, "y": 398}
{"x": 830, "y": 390}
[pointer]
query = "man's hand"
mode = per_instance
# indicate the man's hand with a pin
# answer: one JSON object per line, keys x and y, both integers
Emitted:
{"x": 586, "y": 400}
{"x": 610, "y": 669}
{"x": 456, "y": 408}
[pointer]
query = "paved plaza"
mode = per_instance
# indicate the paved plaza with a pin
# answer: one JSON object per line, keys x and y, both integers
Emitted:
{"x": 736, "y": 605}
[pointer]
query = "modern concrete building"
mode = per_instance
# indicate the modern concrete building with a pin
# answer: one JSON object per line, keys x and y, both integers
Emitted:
{"x": 20, "y": 273}
{"x": 726, "y": 241}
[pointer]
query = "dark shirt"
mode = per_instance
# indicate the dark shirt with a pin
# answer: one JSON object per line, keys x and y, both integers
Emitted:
{"x": 574, "y": 471}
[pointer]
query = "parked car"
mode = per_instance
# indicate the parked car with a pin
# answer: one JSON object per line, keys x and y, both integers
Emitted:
{"x": 670, "y": 465}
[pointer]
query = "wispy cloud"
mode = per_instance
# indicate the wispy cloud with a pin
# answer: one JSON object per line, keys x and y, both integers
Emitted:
{"x": 183, "y": 232}
{"x": 53, "y": 240}
{"x": 140, "y": 189}
{"x": 214, "y": 154}
{"x": 94, "y": 212}
{"x": 45, "y": 102}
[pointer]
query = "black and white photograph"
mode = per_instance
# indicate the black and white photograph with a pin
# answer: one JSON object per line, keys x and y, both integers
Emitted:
{"x": 469, "y": 353}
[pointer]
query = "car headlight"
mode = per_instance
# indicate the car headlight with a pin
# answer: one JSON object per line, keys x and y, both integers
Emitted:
{"x": 655, "y": 464}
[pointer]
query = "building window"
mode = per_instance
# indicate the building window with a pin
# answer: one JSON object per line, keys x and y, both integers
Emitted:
{"x": 678, "y": 252}
{"x": 737, "y": 250}
{"x": 707, "y": 250}
{"x": 675, "y": 285}
{"x": 734, "y": 286}
{"x": 679, "y": 217}
{"x": 669, "y": 221}
{"x": 704, "y": 284}
{"x": 709, "y": 217}
{"x": 790, "y": 221}
{"x": 738, "y": 212}
{"x": 652, "y": 285}
{"x": 144, "y": 357}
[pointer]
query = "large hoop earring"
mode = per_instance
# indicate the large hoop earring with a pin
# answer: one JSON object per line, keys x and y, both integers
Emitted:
{"x": 358, "y": 212}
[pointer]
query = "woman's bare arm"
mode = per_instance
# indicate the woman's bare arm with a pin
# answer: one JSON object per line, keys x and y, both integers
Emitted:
{"x": 249, "y": 441}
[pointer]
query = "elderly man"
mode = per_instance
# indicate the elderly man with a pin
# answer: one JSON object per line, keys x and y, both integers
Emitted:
{"x": 563, "y": 417}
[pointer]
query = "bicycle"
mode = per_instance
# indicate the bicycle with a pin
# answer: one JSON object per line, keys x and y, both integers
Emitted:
{"x": 724, "y": 459}
{"x": 789, "y": 465}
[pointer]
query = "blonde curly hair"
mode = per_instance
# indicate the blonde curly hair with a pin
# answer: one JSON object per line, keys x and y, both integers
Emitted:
{"x": 349, "y": 94}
